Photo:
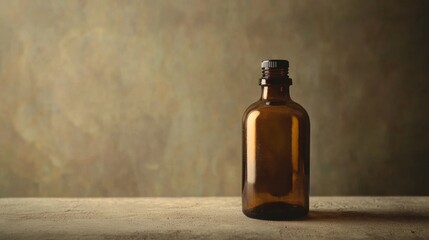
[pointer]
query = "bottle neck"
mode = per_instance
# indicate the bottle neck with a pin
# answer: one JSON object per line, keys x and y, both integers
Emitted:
{"x": 275, "y": 92}
{"x": 275, "y": 80}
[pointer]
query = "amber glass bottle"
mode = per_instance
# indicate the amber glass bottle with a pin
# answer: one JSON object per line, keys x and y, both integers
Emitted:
{"x": 276, "y": 150}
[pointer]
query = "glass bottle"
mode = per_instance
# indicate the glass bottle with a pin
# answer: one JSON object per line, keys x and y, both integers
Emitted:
{"x": 276, "y": 150}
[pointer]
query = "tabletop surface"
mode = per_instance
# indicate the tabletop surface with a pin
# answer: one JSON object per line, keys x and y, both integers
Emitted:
{"x": 210, "y": 218}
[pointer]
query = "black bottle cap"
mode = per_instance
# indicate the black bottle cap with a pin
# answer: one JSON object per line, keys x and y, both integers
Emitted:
{"x": 275, "y": 63}
{"x": 275, "y": 71}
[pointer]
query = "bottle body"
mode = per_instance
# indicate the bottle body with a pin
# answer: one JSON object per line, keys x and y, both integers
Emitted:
{"x": 276, "y": 137}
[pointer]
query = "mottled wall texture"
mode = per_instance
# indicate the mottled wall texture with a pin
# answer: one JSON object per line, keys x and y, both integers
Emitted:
{"x": 145, "y": 98}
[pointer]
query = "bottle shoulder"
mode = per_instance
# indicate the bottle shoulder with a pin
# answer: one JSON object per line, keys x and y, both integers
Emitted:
{"x": 300, "y": 109}
{"x": 286, "y": 108}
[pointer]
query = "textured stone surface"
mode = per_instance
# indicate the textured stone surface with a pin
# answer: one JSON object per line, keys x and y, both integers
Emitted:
{"x": 145, "y": 98}
{"x": 210, "y": 218}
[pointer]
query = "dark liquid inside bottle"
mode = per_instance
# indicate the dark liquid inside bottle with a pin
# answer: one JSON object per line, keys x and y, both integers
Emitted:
{"x": 277, "y": 211}
{"x": 276, "y": 134}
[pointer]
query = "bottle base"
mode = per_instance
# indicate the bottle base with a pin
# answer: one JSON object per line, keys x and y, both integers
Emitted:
{"x": 277, "y": 211}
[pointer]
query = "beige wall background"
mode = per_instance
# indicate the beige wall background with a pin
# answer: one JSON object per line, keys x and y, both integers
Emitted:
{"x": 145, "y": 98}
